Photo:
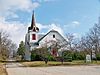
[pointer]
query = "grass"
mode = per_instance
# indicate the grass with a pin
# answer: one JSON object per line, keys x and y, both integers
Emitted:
{"x": 2, "y": 69}
{"x": 54, "y": 63}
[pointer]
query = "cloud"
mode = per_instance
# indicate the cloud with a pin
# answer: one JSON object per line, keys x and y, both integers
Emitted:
{"x": 56, "y": 27}
{"x": 16, "y": 30}
{"x": 49, "y": 0}
{"x": 73, "y": 24}
{"x": 41, "y": 26}
{"x": 76, "y": 35}
{"x": 46, "y": 0}
{"x": 51, "y": 26}
{"x": 9, "y": 7}
{"x": 76, "y": 22}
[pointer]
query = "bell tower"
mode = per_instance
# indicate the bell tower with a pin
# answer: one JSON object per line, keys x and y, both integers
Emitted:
{"x": 33, "y": 31}
{"x": 31, "y": 38}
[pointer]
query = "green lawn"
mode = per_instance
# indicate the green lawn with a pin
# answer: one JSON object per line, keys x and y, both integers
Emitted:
{"x": 54, "y": 63}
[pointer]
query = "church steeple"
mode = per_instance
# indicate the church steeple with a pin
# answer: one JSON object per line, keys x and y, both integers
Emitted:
{"x": 33, "y": 26}
{"x": 33, "y": 21}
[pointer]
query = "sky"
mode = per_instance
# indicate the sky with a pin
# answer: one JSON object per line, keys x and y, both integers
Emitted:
{"x": 65, "y": 16}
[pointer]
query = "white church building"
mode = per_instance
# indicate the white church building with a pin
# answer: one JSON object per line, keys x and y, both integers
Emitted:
{"x": 34, "y": 40}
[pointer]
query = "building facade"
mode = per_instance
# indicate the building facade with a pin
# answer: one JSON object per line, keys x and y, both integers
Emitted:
{"x": 34, "y": 40}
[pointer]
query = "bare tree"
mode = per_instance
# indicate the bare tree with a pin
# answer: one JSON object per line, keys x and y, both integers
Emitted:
{"x": 5, "y": 45}
{"x": 70, "y": 41}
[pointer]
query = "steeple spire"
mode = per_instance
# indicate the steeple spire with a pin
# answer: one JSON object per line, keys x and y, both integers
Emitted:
{"x": 33, "y": 21}
{"x": 33, "y": 26}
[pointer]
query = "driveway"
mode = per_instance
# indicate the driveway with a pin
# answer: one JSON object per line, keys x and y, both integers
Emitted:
{"x": 17, "y": 69}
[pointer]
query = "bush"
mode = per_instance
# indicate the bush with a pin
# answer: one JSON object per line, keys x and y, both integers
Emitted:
{"x": 74, "y": 55}
{"x": 50, "y": 58}
{"x": 69, "y": 58}
{"x": 98, "y": 56}
{"x": 35, "y": 57}
{"x": 78, "y": 56}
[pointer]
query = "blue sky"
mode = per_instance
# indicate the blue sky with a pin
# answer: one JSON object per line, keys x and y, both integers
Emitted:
{"x": 66, "y": 16}
{"x": 65, "y": 12}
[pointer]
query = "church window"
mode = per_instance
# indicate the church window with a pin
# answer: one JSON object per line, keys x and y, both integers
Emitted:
{"x": 33, "y": 37}
{"x": 53, "y": 36}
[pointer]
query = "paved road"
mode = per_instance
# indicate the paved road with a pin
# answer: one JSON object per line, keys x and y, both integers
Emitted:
{"x": 14, "y": 69}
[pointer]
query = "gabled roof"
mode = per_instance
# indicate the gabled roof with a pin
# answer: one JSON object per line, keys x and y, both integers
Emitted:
{"x": 48, "y": 33}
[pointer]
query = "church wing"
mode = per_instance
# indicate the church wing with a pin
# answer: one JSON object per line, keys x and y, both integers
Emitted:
{"x": 52, "y": 35}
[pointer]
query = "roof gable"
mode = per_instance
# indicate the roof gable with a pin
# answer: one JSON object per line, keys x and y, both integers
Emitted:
{"x": 52, "y": 31}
